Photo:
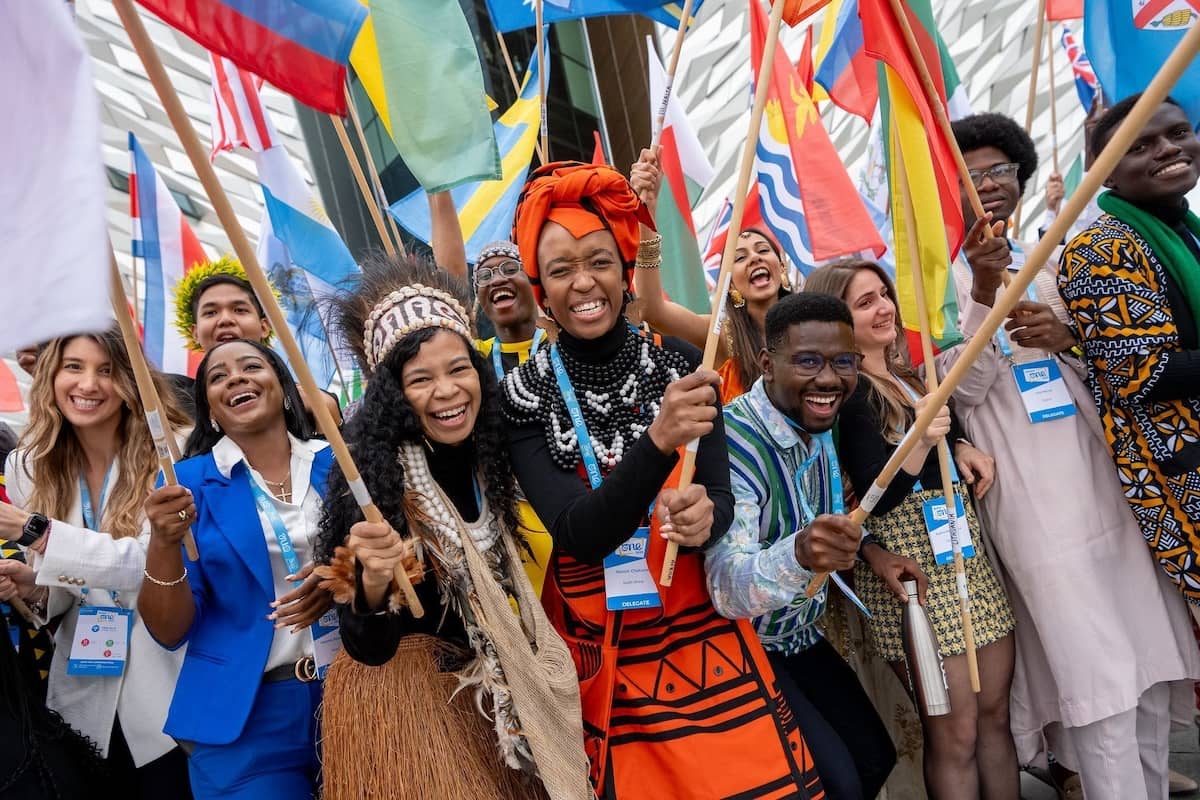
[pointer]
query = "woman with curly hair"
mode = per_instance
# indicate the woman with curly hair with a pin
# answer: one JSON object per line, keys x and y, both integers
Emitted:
{"x": 429, "y": 440}
{"x": 251, "y": 491}
{"x": 77, "y": 482}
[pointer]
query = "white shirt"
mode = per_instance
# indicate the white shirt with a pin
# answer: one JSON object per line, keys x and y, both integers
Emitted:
{"x": 301, "y": 520}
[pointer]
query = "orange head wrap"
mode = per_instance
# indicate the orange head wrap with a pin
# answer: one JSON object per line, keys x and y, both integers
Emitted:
{"x": 583, "y": 198}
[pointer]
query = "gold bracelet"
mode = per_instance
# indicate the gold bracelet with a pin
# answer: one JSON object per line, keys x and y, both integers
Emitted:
{"x": 655, "y": 264}
{"x": 175, "y": 582}
{"x": 650, "y": 249}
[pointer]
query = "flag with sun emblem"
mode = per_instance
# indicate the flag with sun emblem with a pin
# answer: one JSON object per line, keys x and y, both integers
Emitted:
{"x": 807, "y": 199}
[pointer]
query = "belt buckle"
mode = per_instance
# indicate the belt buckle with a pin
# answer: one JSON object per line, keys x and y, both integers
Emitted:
{"x": 306, "y": 670}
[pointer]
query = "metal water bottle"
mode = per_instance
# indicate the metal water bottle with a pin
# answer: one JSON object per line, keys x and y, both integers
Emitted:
{"x": 925, "y": 676}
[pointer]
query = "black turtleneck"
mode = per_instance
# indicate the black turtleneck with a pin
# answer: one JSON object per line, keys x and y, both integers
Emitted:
{"x": 589, "y": 524}
{"x": 372, "y": 638}
{"x": 1179, "y": 371}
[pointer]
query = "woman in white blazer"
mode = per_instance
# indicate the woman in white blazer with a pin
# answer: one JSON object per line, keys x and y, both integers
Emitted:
{"x": 77, "y": 482}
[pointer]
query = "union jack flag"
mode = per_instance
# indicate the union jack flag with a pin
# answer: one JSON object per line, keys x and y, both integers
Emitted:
{"x": 1086, "y": 84}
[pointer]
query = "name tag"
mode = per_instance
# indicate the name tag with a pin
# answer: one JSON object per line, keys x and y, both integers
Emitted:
{"x": 327, "y": 641}
{"x": 939, "y": 530}
{"x": 627, "y": 580}
{"x": 1043, "y": 390}
{"x": 101, "y": 645}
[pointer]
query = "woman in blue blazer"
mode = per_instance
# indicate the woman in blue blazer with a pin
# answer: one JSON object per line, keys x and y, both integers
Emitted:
{"x": 245, "y": 705}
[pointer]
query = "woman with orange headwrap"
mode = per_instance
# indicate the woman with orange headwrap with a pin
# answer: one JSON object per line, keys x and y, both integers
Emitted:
{"x": 677, "y": 701}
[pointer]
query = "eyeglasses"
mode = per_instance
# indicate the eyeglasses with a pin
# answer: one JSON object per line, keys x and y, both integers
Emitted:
{"x": 1001, "y": 173}
{"x": 811, "y": 364}
{"x": 485, "y": 275}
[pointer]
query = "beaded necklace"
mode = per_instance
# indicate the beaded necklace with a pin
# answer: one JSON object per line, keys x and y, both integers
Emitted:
{"x": 619, "y": 396}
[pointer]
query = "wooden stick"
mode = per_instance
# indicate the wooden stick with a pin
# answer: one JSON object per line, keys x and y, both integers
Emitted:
{"x": 160, "y": 426}
{"x": 245, "y": 253}
{"x": 367, "y": 195}
{"x": 939, "y": 111}
{"x": 1033, "y": 74}
{"x": 375, "y": 179}
{"x": 661, "y": 118}
{"x": 1053, "y": 100}
{"x": 18, "y": 605}
{"x": 943, "y": 449}
{"x": 516, "y": 83}
{"x": 543, "y": 134}
{"x": 1168, "y": 75}
{"x": 735, "y": 225}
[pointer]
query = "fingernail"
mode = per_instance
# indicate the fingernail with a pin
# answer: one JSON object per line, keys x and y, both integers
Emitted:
{"x": 289, "y": 577}
{"x": 272, "y": 615}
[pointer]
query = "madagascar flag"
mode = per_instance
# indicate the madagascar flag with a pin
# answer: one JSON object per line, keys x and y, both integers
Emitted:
{"x": 300, "y": 46}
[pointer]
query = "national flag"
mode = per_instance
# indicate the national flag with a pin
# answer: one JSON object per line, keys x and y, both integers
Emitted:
{"x": 796, "y": 11}
{"x": 515, "y": 15}
{"x": 52, "y": 211}
{"x": 169, "y": 250}
{"x": 804, "y": 64}
{"x": 304, "y": 257}
{"x": 1064, "y": 9}
{"x": 299, "y": 46}
{"x": 1081, "y": 68}
{"x": 420, "y": 67}
{"x": 928, "y": 167}
{"x": 239, "y": 118}
{"x": 1129, "y": 40}
{"x": 719, "y": 233}
{"x": 686, "y": 173}
{"x": 486, "y": 208}
{"x": 10, "y": 393}
{"x": 807, "y": 198}
{"x": 845, "y": 73}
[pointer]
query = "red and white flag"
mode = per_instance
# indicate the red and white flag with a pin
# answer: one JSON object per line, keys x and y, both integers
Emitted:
{"x": 239, "y": 118}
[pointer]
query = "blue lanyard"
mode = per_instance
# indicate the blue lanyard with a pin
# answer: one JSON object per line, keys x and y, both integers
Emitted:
{"x": 1002, "y": 337}
{"x": 582, "y": 438}
{"x": 498, "y": 365}
{"x": 91, "y": 519}
{"x": 823, "y": 444}
{"x": 915, "y": 397}
{"x": 290, "y": 559}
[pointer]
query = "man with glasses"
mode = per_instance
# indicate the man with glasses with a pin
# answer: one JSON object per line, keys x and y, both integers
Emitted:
{"x": 1093, "y": 665}
{"x": 789, "y": 523}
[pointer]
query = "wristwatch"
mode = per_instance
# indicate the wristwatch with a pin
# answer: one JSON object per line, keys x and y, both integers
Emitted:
{"x": 35, "y": 527}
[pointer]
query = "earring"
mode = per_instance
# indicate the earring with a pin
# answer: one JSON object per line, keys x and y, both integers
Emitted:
{"x": 215, "y": 426}
{"x": 785, "y": 280}
{"x": 287, "y": 404}
{"x": 736, "y": 297}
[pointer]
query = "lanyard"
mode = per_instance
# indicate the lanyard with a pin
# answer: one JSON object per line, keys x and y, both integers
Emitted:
{"x": 1002, "y": 337}
{"x": 582, "y": 438}
{"x": 498, "y": 365}
{"x": 91, "y": 519}
{"x": 290, "y": 559}
{"x": 915, "y": 397}
{"x": 823, "y": 444}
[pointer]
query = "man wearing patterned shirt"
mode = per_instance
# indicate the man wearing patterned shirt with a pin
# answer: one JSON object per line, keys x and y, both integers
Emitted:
{"x": 788, "y": 524}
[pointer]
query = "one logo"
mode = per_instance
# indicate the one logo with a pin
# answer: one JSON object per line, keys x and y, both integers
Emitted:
{"x": 108, "y": 653}
{"x": 939, "y": 513}
{"x": 1165, "y": 15}
{"x": 1037, "y": 375}
{"x": 95, "y": 629}
{"x": 85, "y": 642}
{"x": 634, "y": 548}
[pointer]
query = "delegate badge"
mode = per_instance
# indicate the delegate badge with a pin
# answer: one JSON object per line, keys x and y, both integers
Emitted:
{"x": 327, "y": 641}
{"x": 939, "y": 529}
{"x": 627, "y": 580}
{"x": 1043, "y": 390}
{"x": 101, "y": 645}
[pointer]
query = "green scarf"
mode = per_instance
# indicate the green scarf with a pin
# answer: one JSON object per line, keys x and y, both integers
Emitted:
{"x": 1168, "y": 246}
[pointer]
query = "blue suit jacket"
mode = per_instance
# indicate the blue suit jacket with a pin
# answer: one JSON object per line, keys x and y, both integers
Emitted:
{"x": 232, "y": 585}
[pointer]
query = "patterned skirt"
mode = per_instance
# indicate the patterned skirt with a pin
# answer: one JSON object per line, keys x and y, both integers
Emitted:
{"x": 902, "y": 531}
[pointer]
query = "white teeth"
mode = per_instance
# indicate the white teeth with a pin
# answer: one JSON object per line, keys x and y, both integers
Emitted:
{"x": 84, "y": 405}
{"x": 502, "y": 294}
{"x": 244, "y": 397}
{"x": 1171, "y": 169}
{"x": 587, "y": 308}
{"x": 824, "y": 400}
{"x": 451, "y": 414}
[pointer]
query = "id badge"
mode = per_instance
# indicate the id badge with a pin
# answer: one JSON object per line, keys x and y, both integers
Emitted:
{"x": 627, "y": 580}
{"x": 939, "y": 530}
{"x": 1043, "y": 390}
{"x": 327, "y": 642}
{"x": 101, "y": 645}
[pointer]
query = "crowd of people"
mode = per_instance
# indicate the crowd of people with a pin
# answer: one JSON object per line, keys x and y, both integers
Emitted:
{"x": 530, "y": 485}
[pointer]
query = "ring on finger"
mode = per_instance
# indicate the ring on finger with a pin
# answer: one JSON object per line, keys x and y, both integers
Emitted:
{"x": 183, "y": 515}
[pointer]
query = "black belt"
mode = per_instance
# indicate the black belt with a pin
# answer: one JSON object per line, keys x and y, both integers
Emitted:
{"x": 304, "y": 670}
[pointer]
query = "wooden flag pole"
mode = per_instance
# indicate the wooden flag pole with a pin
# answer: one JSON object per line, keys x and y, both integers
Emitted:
{"x": 943, "y": 449}
{"x": 516, "y": 83}
{"x": 245, "y": 253}
{"x": 1053, "y": 100}
{"x": 660, "y": 119}
{"x": 1033, "y": 75}
{"x": 939, "y": 110}
{"x": 376, "y": 181}
{"x": 1168, "y": 75}
{"x": 160, "y": 427}
{"x": 543, "y": 133}
{"x": 735, "y": 224}
{"x": 363, "y": 187}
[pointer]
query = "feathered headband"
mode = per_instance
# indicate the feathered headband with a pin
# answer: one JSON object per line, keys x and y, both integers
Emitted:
{"x": 406, "y": 311}
{"x": 185, "y": 294}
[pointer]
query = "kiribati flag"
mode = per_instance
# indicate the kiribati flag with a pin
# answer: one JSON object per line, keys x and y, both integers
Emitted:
{"x": 300, "y": 46}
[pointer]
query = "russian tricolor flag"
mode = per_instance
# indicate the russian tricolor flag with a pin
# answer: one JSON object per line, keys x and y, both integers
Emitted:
{"x": 169, "y": 249}
{"x": 300, "y": 46}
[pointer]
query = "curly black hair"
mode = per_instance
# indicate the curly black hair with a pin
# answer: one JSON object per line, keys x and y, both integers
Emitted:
{"x": 1002, "y": 133}
{"x": 803, "y": 307}
{"x": 204, "y": 435}
{"x": 385, "y": 419}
